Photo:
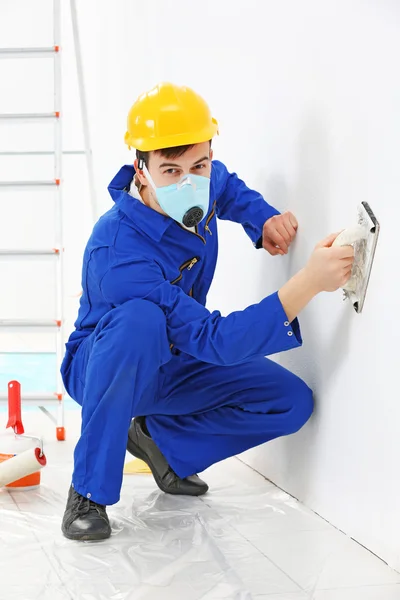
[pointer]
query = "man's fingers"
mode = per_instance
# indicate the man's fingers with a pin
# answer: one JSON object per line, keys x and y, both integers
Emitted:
{"x": 289, "y": 228}
{"x": 347, "y": 262}
{"x": 279, "y": 232}
{"x": 343, "y": 251}
{"x": 346, "y": 276}
{"x": 272, "y": 249}
{"x": 328, "y": 241}
{"x": 292, "y": 219}
{"x": 280, "y": 237}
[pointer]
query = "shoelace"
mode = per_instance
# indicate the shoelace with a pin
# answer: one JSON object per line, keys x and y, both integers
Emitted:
{"x": 84, "y": 505}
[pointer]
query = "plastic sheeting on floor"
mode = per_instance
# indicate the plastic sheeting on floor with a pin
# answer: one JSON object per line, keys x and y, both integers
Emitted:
{"x": 244, "y": 539}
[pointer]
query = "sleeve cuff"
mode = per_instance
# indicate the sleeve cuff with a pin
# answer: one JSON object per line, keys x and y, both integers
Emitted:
{"x": 259, "y": 242}
{"x": 290, "y": 330}
{"x": 295, "y": 326}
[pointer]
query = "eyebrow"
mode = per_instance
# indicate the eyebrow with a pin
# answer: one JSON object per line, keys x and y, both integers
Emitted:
{"x": 201, "y": 160}
{"x": 175, "y": 165}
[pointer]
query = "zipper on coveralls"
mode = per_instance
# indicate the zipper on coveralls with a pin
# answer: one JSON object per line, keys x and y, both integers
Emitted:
{"x": 210, "y": 216}
{"x": 188, "y": 264}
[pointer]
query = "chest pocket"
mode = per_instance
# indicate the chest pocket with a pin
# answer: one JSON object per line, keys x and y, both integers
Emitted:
{"x": 188, "y": 264}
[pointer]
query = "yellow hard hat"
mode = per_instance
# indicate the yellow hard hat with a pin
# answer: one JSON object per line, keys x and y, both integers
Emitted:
{"x": 168, "y": 116}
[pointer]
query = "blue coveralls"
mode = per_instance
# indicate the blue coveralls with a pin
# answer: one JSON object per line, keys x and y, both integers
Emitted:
{"x": 144, "y": 343}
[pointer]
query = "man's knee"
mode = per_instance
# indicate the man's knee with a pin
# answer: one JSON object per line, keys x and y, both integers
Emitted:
{"x": 142, "y": 315}
{"x": 135, "y": 315}
{"x": 302, "y": 406}
{"x": 139, "y": 324}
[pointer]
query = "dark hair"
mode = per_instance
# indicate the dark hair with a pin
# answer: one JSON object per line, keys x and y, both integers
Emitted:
{"x": 166, "y": 152}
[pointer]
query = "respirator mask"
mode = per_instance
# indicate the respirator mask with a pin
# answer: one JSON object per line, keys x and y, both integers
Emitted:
{"x": 186, "y": 201}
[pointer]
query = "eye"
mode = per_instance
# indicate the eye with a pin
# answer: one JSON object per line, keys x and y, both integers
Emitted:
{"x": 171, "y": 171}
{"x": 201, "y": 166}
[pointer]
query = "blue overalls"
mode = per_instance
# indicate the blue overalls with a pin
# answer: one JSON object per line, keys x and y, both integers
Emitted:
{"x": 144, "y": 343}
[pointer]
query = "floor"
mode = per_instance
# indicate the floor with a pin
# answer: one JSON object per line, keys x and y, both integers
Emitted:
{"x": 245, "y": 539}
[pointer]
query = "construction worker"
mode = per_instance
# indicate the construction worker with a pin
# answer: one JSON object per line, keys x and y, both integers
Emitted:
{"x": 154, "y": 371}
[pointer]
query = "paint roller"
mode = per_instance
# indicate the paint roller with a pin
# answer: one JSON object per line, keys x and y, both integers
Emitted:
{"x": 364, "y": 237}
{"x": 21, "y": 465}
{"x": 27, "y": 462}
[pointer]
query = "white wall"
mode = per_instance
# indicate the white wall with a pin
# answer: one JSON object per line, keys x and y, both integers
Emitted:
{"x": 307, "y": 96}
{"x": 330, "y": 139}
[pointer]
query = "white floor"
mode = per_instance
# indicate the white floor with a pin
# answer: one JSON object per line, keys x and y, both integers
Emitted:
{"x": 243, "y": 540}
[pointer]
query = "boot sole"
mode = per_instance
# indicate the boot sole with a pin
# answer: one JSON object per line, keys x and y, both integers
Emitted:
{"x": 88, "y": 537}
{"x": 138, "y": 453}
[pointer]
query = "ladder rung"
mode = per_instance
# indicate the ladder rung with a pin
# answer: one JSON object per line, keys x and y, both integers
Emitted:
{"x": 28, "y": 52}
{"x": 29, "y": 116}
{"x": 45, "y": 398}
{"x": 28, "y": 184}
{"x": 39, "y": 152}
{"x": 30, "y": 323}
{"x": 34, "y": 253}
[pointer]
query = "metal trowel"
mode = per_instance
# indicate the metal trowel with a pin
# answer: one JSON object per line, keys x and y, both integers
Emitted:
{"x": 363, "y": 237}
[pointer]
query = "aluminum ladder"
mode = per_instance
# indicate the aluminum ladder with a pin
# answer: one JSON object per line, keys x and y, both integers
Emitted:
{"x": 55, "y": 398}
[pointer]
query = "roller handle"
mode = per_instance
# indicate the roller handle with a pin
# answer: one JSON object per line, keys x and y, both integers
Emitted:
{"x": 14, "y": 407}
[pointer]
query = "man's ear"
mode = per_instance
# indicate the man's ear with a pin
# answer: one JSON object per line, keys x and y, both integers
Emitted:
{"x": 139, "y": 173}
{"x": 211, "y": 153}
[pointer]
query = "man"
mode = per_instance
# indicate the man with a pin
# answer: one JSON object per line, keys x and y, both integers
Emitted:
{"x": 152, "y": 368}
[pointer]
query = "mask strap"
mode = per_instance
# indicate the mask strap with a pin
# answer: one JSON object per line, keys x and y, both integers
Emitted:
{"x": 149, "y": 177}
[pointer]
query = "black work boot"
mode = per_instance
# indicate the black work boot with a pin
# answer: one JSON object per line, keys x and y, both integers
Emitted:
{"x": 141, "y": 445}
{"x": 84, "y": 519}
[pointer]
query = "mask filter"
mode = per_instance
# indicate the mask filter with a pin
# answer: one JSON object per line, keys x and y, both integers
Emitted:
{"x": 193, "y": 216}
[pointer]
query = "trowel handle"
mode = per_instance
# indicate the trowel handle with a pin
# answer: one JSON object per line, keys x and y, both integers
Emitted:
{"x": 351, "y": 236}
{"x": 14, "y": 407}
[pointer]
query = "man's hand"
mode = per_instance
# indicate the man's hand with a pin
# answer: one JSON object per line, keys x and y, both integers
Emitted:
{"x": 328, "y": 269}
{"x": 279, "y": 232}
